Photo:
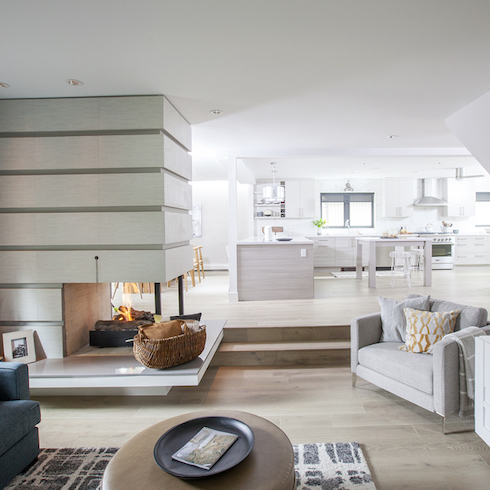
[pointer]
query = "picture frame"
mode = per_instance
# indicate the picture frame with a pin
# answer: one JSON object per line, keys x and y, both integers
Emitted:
{"x": 19, "y": 346}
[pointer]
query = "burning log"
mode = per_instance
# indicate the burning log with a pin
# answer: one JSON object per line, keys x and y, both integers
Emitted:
{"x": 118, "y": 325}
{"x": 127, "y": 319}
{"x": 123, "y": 326}
{"x": 130, "y": 314}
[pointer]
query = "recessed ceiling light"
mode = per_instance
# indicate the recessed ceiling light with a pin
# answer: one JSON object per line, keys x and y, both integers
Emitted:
{"x": 4, "y": 85}
{"x": 391, "y": 136}
{"x": 216, "y": 112}
{"x": 72, "y": 81}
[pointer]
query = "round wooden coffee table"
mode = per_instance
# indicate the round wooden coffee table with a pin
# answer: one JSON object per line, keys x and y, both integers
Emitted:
{"x": 270, "y": 465}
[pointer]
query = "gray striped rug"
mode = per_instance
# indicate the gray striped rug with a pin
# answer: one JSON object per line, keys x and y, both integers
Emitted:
{"x": 330, "y": 466}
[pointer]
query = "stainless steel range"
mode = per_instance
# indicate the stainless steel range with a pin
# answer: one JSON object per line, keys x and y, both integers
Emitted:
{"x": 442, "y": 250}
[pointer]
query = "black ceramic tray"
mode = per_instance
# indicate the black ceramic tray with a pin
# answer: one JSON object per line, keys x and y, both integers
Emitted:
{"x": 179, "y": 435}
{"x": 284, "y": 239}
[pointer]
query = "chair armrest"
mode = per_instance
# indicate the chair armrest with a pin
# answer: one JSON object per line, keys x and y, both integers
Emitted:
{"x": 364, "y": 330}
{"x": 14, "y": 381}
{"x": 446, "y": 376}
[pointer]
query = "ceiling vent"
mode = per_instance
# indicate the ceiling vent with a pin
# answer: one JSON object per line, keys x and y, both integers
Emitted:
{"x": 429, "y": 195}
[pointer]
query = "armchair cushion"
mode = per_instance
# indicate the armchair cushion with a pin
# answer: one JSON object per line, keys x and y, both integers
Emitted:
{"x": 14, "y": 381}
{"x": 17, "y": 418}
{"x": 19, "y": 439}
{"x": 393, "y": 321}
{"x": 404, "y": 367}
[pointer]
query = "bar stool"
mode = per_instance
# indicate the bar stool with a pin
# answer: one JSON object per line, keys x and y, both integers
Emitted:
{"x": 128, "y": 288}
{"x": 193, "y": 279}
{"x": 417, "y": 258}
{"x": 401, "y": 262}
{"x": 275, "y": 229}
{"x": 198, "y": 262}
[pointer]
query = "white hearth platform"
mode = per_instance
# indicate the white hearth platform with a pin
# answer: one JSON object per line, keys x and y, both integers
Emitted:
{"x": 119, "y": 374}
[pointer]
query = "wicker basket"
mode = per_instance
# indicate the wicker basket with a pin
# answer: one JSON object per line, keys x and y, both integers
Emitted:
{"x": 165, "y": 353}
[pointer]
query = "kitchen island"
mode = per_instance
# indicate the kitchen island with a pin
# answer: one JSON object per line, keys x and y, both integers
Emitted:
{"x": 270, "y": 270}
{"x": 372, "y": 243}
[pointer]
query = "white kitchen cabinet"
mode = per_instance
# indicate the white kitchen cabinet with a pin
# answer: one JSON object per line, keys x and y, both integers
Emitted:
{"x": 331, "y": 251}
{"x": 461, "y": 198}
{"x": 300, "y": 198}
{"x": 472, "y": 250}
{"x": 482, "y": 387}
{"x": 398, "y": 198}
{"x": 324, "y": 252}
{"x": 345, "y": 252}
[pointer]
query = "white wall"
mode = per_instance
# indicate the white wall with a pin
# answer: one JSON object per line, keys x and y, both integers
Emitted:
{"x": 213, "y": 197}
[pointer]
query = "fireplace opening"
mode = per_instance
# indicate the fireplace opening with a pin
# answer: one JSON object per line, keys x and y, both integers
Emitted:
{"x": 89, "y": 314}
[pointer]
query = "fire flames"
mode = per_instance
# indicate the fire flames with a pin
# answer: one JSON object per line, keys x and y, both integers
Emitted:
{"x": 126, "y": 314}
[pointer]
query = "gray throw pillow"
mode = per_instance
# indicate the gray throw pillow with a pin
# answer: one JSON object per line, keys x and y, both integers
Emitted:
{"x": 393, "y": 322}
{"x": 470, "y": 316}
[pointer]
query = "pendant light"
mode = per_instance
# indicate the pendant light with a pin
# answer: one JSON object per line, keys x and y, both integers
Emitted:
{"x": 271, "y": 193}
{"x": 348, "y": 187}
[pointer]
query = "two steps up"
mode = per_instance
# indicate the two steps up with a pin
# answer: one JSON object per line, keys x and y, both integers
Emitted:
{"x": 285, "y": 346}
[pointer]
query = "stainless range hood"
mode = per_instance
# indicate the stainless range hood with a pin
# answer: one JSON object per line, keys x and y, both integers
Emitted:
{"x": 429, "y": 195}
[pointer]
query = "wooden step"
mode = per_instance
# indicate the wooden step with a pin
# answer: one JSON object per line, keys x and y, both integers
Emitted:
{"x": 287, "y": 334}
{"x": 332, "y": 353}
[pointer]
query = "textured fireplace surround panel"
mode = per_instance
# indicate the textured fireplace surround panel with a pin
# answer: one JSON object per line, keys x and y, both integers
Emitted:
{"x": 87, "y": 178}
{"x": 83, "y": 305}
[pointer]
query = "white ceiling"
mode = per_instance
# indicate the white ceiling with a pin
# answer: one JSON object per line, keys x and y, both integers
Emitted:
{"x": 316, "y": 85}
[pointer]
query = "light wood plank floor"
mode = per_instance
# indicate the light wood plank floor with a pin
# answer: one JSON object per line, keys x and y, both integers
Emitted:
{"x": 336, "y": 301}
{"x": 403, "y": 443}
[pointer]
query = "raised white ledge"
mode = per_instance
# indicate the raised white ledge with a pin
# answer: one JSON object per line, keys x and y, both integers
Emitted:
{"x": 120, "y": 375}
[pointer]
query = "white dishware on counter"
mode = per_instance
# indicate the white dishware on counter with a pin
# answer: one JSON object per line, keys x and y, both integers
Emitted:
{"x": 268, "y": 233}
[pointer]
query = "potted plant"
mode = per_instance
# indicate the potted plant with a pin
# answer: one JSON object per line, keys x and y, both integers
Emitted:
{"x": 319, "y": 223}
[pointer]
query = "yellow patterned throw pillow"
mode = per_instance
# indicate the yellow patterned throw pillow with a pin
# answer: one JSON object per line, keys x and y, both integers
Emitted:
{"x": 425, "y": 328}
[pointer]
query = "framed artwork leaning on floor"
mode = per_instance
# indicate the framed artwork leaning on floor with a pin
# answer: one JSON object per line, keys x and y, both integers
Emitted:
{"x": 19, "y": 346}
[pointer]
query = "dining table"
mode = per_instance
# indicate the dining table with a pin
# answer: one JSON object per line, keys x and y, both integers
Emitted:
{"x": 371, "y": 243}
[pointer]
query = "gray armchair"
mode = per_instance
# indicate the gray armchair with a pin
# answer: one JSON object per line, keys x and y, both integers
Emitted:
{"x": 19, "y": 440}
{"x": 429, "y": 381}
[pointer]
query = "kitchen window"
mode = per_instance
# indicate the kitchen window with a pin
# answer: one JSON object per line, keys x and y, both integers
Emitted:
{"x": 482, "y": 209}
{"x": 352, "y": 210}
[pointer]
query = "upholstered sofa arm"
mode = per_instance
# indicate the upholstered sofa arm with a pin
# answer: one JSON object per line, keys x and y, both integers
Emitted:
{"x": 14, "y": 381}
{"x": 487, "y": 329}
{"x": 446, "y": 376}
{"x": 364, "y": 330}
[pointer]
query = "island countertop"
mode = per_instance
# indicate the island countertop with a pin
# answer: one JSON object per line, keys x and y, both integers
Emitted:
{"x": 260, "y": 240}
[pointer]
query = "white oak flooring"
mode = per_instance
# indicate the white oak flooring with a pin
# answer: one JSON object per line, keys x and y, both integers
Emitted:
{"x": 403, "y": 443}
{"x": 336, "y": 300}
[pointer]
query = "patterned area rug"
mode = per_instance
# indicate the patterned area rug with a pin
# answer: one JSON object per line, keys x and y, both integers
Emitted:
{"x": 339, "y": 466}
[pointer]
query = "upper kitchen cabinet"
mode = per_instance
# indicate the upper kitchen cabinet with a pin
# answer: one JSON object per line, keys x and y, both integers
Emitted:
{"x": 300, "y": 198}
{"x": 398, "y": 196}
{"x": 461, "y": 197}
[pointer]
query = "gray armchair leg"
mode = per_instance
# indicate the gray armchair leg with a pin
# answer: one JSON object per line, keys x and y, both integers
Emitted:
{"x": 454, "y": 431}
{"x": 354, "y": 379}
